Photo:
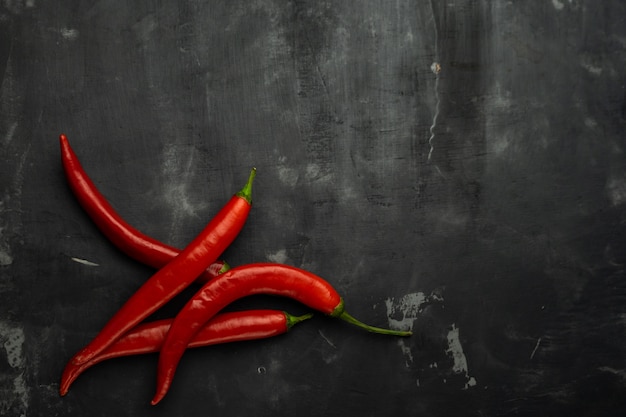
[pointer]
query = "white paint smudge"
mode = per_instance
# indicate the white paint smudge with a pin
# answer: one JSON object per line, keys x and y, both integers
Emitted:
{"x": 144, "y": 28}
{"x": 14, "y": 339}
{"x": 178, "y": 170}
{"x": 5, "y": 256}
{"x": 15, "y": 397}
{"x": 557, "y": 4}
{"x": 616, "y": 190}
{"x": 595, "y": 70}
{"x": 312, "y": 171}
{"x": 455, "y": 349}
{"x": 402, "y": 314}
{"x": 328, "y": 359}
{"x": 500, "y": 144}
{"x": 590, "y": 123}
{"x": 435, "y": 67}
{"x": 84, "y": 262}
{"x": 69, "y": 34}
{"x": 280, "y": 256}
{"x": 287, "y": 175}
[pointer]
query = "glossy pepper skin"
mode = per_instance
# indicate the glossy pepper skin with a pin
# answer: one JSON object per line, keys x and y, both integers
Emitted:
{"x": 223, "y": 328}
{"x": 129, "y": 240}
{"x": 176, "y": 275}
{"x": 261, "y": 278}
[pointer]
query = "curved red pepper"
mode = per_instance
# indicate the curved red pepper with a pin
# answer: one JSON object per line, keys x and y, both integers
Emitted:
{"x": 263, "y": 278}
{"x": 128, "y": 239}
{"x": 224, "y": 328}
{"x": 176, "y": 275}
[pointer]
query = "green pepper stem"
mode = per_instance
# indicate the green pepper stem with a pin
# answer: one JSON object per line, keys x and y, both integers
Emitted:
{"x": 246, "y": 191}
{"x": 224, "y": 268}
{"x": 293, "y": 320}
{"x": 348, "y": 318}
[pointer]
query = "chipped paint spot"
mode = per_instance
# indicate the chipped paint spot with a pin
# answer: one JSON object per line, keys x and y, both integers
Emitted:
{"x": 557, "y": 4}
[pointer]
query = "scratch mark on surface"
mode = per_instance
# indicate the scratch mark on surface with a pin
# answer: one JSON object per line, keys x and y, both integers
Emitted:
{"x": 323, "y": 81}
{"x": 435, "y": 68}
{"x": 619, "y": 372}
{"x": 327, "y": 339}
{"x": 84, "y": 262}
{"x": 532, "y": 355}
{"x": 435, "y": 117}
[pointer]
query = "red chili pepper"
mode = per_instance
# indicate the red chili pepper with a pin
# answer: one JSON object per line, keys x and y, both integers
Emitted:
{"x": 128, "y": 239}
{"x": 223, "y": 328}
{"x": 264, "y": 278}
{"x": 176, "y": 275}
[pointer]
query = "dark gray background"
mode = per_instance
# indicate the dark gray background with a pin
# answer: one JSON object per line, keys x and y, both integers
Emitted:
{"x": 483, "y": 206}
